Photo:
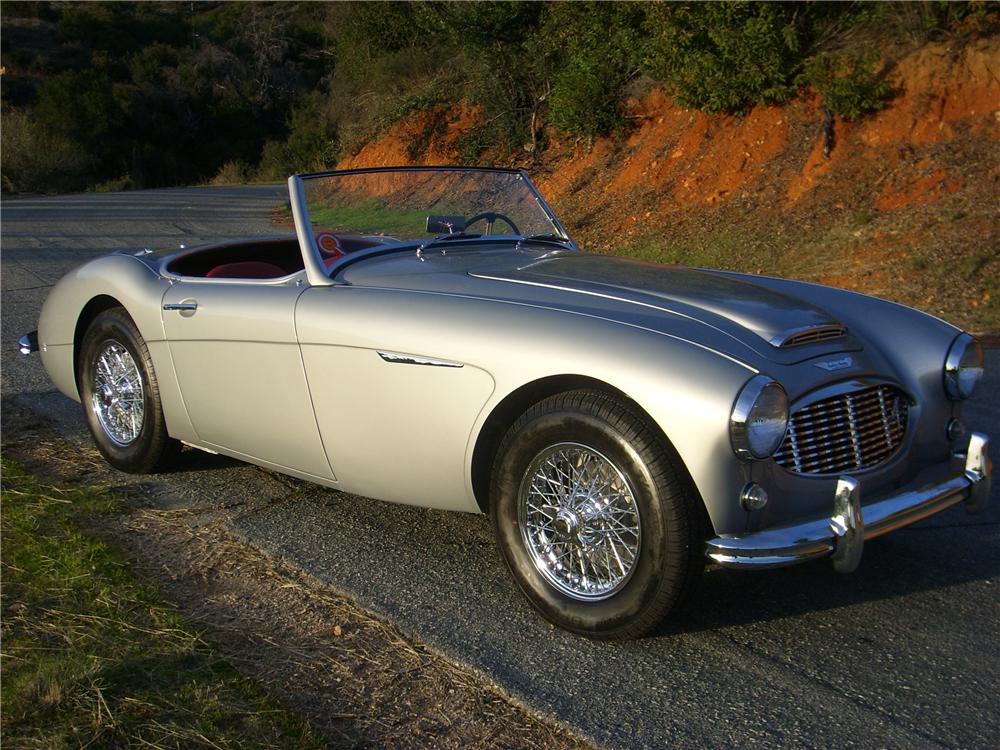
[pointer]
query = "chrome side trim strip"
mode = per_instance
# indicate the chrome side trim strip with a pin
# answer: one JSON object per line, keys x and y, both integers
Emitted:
{"x": 397, "y": 358}
{"x": 200, "y": 448}
{"x": 843, "y": 534}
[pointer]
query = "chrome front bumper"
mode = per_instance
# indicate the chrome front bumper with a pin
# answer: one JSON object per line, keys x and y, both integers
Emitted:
{"x": 843, "y": 534}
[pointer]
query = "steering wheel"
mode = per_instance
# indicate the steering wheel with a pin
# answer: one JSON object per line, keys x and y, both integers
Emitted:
{"x": 491, "y": 217}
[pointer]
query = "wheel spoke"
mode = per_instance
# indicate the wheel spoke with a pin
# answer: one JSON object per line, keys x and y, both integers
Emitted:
{"x": 118, "y": 399}
{"x": 579, "y": 521}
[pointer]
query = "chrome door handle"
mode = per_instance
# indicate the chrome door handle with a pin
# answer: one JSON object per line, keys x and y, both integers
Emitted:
{"x": 192, "y": 306}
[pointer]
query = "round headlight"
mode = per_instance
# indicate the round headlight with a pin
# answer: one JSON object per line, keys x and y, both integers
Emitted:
{"x": 759, "y": 419}
{"x": 963, "y": 367}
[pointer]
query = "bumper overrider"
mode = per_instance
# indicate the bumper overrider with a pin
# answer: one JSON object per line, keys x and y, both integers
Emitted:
{"x": 28, "y": 343}
{"x": 842, "y": 535}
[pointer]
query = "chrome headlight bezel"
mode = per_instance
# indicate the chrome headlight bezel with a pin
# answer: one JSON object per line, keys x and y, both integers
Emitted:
{"x": 963, "y": 367}
{"x": 761, "y": 400}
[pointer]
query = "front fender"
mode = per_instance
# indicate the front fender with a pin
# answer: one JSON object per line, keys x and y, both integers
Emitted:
{"x": 687, "y": 390}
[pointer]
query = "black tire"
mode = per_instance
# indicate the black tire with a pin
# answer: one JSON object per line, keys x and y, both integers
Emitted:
{"x": 151, "y": 449}
{"x": 670, "y": 535}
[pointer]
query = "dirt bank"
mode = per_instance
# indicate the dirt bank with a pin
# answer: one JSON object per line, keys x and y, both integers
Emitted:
{"x": 904, "y": 204}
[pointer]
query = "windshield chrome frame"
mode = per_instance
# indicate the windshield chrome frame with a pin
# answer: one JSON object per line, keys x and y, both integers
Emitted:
{"x": 312, "y": 259}
{"x": 547, "y": 209}
{"x": 316, "y": 271}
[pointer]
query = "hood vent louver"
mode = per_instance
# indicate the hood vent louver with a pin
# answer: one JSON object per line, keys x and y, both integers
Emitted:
{"x": 811, "y": 335}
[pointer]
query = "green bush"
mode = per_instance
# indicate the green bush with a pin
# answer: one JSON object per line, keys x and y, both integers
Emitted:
{"x": 38, "y": 161}
{"x": 584, "y": 99}
{"x": 504, "y": 74}
{"x": 849, "y": 86}
{"x": 81, "y": 106}
{"x": 232, "y": 173}
{"x": 724, "y": 56}
{"x": 311, "y": 144}
{"x": 172, "y": 93}
{"x": 591, "y": 50}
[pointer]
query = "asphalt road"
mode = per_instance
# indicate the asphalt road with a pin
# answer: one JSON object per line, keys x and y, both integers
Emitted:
{"x": 904, "y": 653}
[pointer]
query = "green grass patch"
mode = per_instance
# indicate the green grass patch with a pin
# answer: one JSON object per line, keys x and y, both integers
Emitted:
{"x": 370, "y": 217}
{"x": 724, "y": 249}
{"x": 92, "y": 657}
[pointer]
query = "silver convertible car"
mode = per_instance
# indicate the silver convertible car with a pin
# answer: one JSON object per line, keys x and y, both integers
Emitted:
{"x": 434, "y": 336}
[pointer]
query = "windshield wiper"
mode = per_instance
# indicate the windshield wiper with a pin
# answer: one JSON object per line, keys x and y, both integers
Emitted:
{"x": 550, "y": 237}
{"x": 545, "y": 237}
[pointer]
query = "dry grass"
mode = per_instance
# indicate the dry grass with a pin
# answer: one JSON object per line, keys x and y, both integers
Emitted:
{"x": 355, "y": 678}
{"x": 93, "y": 658}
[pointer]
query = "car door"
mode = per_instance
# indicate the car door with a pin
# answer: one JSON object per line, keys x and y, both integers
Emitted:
{"x": 396, "y": 418}
{"x": 240, "y": 372}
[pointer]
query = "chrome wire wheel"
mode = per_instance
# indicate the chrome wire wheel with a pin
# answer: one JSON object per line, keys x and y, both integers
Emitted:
{"x": 579, "y": 521}
{"x": 118, "y": 400}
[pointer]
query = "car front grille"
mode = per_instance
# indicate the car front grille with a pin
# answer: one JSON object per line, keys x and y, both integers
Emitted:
{"x": 848, "y": 432}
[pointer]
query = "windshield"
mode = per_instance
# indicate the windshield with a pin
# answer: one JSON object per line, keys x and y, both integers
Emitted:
{"x": 350, "y": 211}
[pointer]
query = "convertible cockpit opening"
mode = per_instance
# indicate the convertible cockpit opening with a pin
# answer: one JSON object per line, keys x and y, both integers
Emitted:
{"x": 269, "y": 258}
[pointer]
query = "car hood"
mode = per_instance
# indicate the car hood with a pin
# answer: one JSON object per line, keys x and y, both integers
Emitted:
{"x": 766, "y": 313}
{"x": 730, "y": 312}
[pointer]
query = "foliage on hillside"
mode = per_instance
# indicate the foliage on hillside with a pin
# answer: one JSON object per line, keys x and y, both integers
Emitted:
{"x": 144, "y": 94}
{"x": 108, "y": 95}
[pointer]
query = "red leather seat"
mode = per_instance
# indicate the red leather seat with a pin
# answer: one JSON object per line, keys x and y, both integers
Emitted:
{"x": 246, "y": 269}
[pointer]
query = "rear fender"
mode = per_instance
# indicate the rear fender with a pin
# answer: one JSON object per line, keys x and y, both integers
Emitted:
{"x": 139, "y": 290}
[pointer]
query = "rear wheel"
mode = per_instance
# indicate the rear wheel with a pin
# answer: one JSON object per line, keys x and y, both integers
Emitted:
{"x": 594, "y": 518}
{"x": 120, "y": 396}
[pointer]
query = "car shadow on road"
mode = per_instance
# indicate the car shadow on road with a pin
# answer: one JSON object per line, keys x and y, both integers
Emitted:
{"x": 195, "y": 459}
{"x": 21, "y": 414}
{"x": 923, "y": 558}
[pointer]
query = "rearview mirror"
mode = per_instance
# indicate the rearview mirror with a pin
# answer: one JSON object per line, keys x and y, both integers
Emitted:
{"x": 443, "y": 223}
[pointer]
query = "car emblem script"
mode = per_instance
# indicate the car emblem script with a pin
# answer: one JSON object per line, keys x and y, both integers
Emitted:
{"x": 836, "y": 364}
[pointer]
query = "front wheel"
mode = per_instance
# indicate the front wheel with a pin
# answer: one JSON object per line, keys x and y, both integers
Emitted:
{"x": 594, "y": 517}
{"x": 120, "y": 396}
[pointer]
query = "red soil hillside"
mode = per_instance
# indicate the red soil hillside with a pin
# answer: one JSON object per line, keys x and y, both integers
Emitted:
{"x": 906, "y": 203}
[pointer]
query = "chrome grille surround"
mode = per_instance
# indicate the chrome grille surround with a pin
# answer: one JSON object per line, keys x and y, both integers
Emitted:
{"x": 858, "y": 426}
{"x": 810, "y": 335}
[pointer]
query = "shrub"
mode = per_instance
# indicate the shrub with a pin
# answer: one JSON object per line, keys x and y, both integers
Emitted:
{"x": 311, "y": 145}
{"x": 591, "y": 51}
{"x": 585, "y": 99}
{"x": 922, "y": 21}
{"x": 724, "y": 56}
{"x": 80, "y": 105}
{"x": 849, "y": 86}
{"x": 116, "y": 185}
{"x": 231, "y": 173}
{"x": 38, "y": 161}
{"x": 504, "y": 73}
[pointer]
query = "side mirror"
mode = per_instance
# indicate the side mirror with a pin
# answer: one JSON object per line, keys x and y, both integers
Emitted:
{"x": 445, "y": 224}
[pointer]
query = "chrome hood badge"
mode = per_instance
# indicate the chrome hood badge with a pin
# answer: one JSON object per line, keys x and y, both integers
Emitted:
{"x": 832, "y": 365}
